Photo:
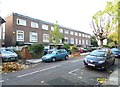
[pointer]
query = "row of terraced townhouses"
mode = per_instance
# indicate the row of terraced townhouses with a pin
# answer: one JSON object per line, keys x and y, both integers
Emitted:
{"x": 21, "y": 29}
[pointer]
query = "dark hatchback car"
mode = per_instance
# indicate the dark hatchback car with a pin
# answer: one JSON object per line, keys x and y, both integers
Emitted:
{"x": 116, "y": 52}
{"x": 100, "y": 59}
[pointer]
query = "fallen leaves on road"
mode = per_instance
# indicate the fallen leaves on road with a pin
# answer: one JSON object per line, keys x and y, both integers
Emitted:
{"x": 12, "y": 67}
{"x": 101, "y": 80}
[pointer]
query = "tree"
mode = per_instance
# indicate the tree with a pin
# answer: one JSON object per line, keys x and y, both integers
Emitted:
{"x": 55, "y": 35}
{"x": 93, "y": 41}
{"x": 114, "y": 9}
{"x": 103, "y": 22}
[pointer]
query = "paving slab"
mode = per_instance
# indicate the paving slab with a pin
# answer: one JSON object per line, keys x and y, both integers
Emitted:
{"x": 34, "y": 60}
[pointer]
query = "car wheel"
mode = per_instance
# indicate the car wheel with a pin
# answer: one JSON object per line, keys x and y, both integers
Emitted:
{"x": 53, "y": 59}
{"x": 66, "y": 57}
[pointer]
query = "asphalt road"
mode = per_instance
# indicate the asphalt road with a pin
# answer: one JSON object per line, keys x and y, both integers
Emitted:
{"x": 67, "y": 72}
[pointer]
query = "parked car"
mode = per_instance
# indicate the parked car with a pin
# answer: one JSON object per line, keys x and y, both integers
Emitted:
{"x": 100, "y": 59}
{"x": 80, "y": 50}
{"x": 8, "y": 55}
{"x": 116, "y": 52}
{"x": 68, "y": 50}
{"x": 45, "y": 51}
{"x": 84, "y": 50}
{"x": 56, "y": 55}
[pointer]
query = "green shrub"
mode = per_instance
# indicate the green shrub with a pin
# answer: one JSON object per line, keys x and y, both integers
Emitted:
{"x": 66, "y": 46}
{"x": 74, "y": 49}
{"x": 111, "y": 44}
{"x": 36, "y": 50}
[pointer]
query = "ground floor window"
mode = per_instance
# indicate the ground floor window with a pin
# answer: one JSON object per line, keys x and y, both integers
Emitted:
{"x": 20, "y": 35}
{"x": 33, "y": 37}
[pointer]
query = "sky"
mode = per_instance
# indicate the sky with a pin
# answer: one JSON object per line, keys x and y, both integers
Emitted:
{"x": 75, "y": 14}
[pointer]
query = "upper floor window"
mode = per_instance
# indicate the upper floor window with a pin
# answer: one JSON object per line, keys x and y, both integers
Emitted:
{"x": 82, "y": 35}
{"x": 66, "y": 31}
{"x": 71, "y": 32}
{"x": 71, "y": 40}
{"x": 45, "y": 37}
{"x": 88, "y": 36}
{"x": 52, "y": 28}
{"x": 45, "y": 27}
{"x": 79, "y": 34}
{"x": 20, "y": 35}
{"x": 34, "y": 25}
{"x": 61, "y": 30}
{"x": 33, "y": 37}
{"x": 76, "y": 34}
{"x": 21, "y": 22}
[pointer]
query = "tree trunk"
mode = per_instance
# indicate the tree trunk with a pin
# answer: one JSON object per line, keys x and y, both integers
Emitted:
{"x": 101, "y": 43}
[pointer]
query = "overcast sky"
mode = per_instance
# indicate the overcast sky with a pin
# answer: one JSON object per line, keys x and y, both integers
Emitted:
{"x": 75, "y": 14}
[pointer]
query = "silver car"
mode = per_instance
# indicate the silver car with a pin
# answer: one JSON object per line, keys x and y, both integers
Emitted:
{"x": 8, "y": 55}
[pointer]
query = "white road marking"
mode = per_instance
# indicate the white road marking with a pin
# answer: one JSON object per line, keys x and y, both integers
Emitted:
{"x": 2, "y": 81}
{"x": 79, "y": 77}
{"x": 38, "y": 71}
{"x": 71, "y": 72}
{"x": 42, "y": 81}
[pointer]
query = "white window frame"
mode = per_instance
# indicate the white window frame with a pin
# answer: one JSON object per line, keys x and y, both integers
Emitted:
{"x": 72, "y": 32}
{"x": 76, "y": 41}
{"x": 60, "y": 41}
{"x": 79, "y": 41}
{"x": 21, "y": 22}
{"x": 32, "y": 38}
{"x": 45, "y": 27}
{"x": 66, "y": 31}
{"x": 45, "y": 37}
{"x": 79, "y": 34}
{"x": 83, "y": 41}
{"x": 34, "y": 24}
{"x": 71, "y": 40}
{"x": 76, "y": 34}
{"x": 19, "y": 38}
{"x": 52, "y": 28}
{"x": 66, "y": 39}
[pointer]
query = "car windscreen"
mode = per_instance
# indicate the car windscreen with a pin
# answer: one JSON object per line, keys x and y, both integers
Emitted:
{"x": 53, "y": 52}
{"x": 98, "y": 53}
{"x": 6, "y": 52}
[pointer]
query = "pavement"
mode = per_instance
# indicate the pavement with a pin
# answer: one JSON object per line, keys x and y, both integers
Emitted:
{"x": 34, "y": 61}
{"x": 113, "y": 79}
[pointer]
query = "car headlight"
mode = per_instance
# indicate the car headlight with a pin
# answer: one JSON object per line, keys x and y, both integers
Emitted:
{"x": 101, "y": 61}
{"x": 46, "y": 57}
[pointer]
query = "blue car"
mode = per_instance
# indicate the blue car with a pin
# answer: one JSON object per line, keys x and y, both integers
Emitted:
{"x": 116, "y": 52}
{"x": 56, "y": 55}
{"x": 100, "y": 59}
